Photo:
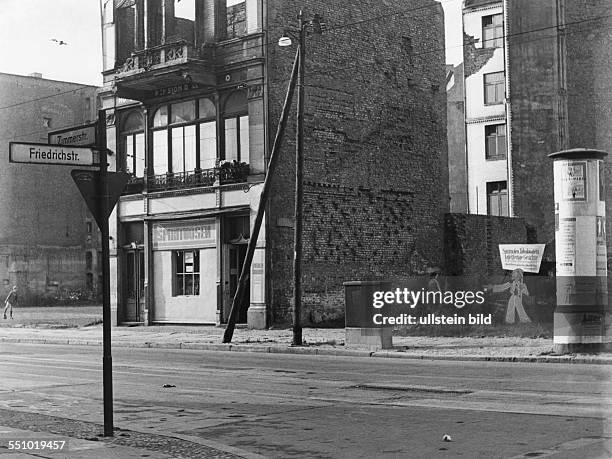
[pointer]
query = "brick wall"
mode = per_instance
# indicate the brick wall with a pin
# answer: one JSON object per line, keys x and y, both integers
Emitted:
{"x": 536, "y": 119}
{"x": 375, "y": 149}
{"x": 589, "y": 87}
{"x": 557, "y": 104}
{"x": 471, "y": 243}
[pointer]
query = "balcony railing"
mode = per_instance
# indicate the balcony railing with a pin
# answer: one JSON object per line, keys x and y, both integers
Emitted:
{"x": 172, "y": 53}
{"x": 226, "y": 173}
{"x": 180, "y": 180}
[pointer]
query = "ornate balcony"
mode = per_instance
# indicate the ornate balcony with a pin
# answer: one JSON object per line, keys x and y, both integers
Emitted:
{"x": 181, "y": 180}
{"x": 165, "y": 70}
{"x": 226, "y": 173}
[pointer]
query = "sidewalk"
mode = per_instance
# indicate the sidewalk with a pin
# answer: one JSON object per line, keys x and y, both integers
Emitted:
{"x": 40, "y": 435}
{"x": 317, "y": 341}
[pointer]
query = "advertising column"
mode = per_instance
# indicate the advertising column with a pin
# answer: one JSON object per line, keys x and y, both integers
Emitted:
{"x": 580, "y": 248}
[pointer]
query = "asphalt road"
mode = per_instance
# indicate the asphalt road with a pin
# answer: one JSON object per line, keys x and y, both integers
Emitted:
{"x": 315, "y": 406}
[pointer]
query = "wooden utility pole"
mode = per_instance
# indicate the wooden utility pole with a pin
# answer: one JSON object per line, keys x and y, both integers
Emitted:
{"x": 246, "y": 266}
{"x": 299, "y": 191}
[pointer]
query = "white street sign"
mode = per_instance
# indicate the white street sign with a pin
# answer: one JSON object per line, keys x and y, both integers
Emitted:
{"x": 82, "y": 136}
{"x": 38, "y": 153}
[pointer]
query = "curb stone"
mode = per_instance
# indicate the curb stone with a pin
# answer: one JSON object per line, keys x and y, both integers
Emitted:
{"x": 296, "y": 350}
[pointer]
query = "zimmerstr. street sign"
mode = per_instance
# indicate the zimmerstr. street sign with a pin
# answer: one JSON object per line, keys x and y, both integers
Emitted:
{"x": 78, "y": 136}
{"x": 41, "y": 153}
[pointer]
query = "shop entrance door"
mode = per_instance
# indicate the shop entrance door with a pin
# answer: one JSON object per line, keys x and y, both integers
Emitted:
{"x": 234, "y": 259}
{"x": 134, "y": 285}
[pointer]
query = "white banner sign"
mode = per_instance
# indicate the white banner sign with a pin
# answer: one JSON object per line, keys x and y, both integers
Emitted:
{"x": 521, "y": 256}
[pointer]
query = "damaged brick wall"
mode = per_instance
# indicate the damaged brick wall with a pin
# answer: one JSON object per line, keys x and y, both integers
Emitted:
{"x": 376, "y": 184}
{"x": 471, "y": 243}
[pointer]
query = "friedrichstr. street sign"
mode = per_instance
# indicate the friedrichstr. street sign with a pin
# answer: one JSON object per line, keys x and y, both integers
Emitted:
{"x": 88, "y": 183}
{"x": 41, "y": 153}
{"x": 82, "y": 136}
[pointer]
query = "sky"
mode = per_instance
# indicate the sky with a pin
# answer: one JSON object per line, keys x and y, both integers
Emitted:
{"x": 27, "y": 28}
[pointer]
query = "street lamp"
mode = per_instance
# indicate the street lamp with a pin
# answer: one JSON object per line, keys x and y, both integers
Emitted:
{"x": 315, "y": 25}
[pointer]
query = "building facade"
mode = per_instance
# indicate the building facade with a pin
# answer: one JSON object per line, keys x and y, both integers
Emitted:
{"x": 554, "y": 56}
{"x": 193, "y": 93}
{"x": 48, "y": 240}
{"x": 487, "y": 120}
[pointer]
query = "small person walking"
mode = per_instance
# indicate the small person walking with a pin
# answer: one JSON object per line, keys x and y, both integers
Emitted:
{"x": 11, "y": 300}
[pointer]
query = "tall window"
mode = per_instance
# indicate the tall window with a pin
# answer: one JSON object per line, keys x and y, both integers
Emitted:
{"x": 186, "y": 272}
{"x": 133, "y": 144}
{"x": 495, "y": 141}
{"x": 236, "y": 128}
{"x": 208, "y": 133}
{"x": 497, "y": 198}
{"x": 494, "y": 90}
{"x": 185, "y": 137}
{"x": 493, "y": 31}
{"x": 236, "y": 18}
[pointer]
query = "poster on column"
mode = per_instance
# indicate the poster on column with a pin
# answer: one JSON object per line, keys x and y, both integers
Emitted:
{"x": 574, "y": 181}
{"x": 601, "y": 260}
{"x": 566, "y": 247}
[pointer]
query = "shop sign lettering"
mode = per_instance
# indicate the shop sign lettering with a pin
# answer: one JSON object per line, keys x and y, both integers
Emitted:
{"x": 192, "y": 234}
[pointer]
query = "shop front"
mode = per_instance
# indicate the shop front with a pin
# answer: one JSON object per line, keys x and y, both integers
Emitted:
{"x": 185, "y": 271}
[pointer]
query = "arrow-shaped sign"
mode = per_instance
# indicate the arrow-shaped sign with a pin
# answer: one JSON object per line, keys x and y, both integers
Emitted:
{"x": 90, "y": 186}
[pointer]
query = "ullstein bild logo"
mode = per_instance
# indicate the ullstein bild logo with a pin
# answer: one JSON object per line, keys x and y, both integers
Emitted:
{"x": 420, "y": 307}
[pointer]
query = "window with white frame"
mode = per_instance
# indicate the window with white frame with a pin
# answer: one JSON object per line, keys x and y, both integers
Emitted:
{"x": 133, "y": 143}
{"x": 186, "y": 272}
{"x": 236, "y": 128}
{"x": 495, "y": 141}
{"x": 493, "y": 31}
{"x": 494, "y": 88}
{"x": 497, "y": 199}
{"x": 184, "y": 137}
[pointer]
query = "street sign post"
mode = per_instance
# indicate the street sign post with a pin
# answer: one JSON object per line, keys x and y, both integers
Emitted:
{"x": 101, "y": 191}
{"x": 82, "y": 136}
{"x": 40, "y": 153}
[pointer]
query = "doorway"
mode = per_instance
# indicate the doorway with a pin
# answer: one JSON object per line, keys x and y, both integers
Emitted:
{"x": 234, "y": 259}
{"x": 134, "y": 285}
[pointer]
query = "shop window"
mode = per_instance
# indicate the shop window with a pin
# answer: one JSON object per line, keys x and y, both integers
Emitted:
{"x": 494, "y": 88}
{"x": 493, "y": 31}
{"x": 186, "y": 272}
{"x": 495, "y": 141}
{"x": 497, "y": 199}
{"x": 235, "y": 16}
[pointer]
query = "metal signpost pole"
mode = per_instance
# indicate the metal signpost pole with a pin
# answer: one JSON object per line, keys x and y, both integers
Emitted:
{"x": 107, "y": 359}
